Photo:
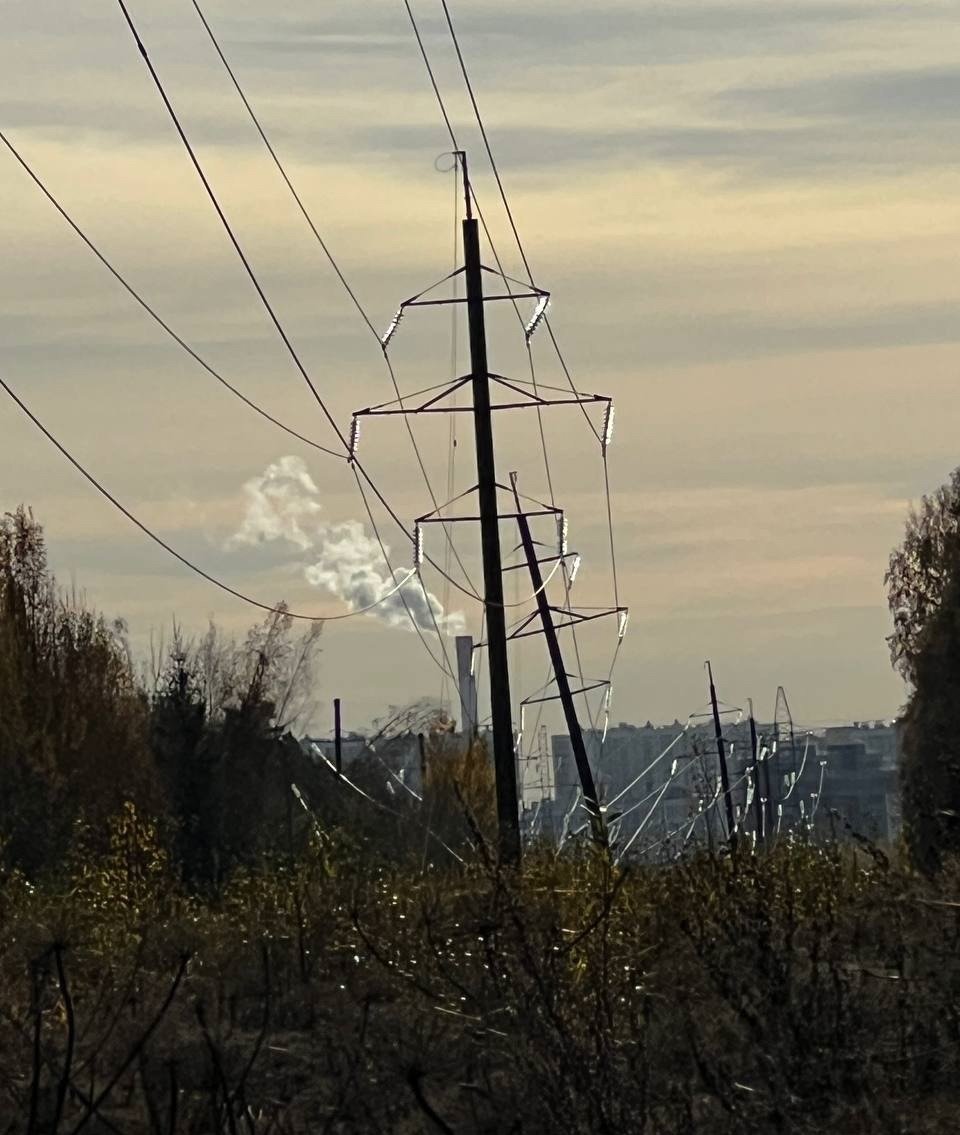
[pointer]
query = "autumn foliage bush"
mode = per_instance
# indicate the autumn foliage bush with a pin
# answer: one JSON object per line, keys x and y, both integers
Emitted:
{"x": 186, "y": 947}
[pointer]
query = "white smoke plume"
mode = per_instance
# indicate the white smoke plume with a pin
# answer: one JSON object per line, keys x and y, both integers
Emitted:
{"x": 282, "y": 504}
{"x": 278, "y": 504}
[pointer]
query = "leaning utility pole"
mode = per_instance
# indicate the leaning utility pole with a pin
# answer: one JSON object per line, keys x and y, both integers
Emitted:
{"x": 722, "y": 755}
{"x": 504, "y": 749}
{"x": 560, "y": 674}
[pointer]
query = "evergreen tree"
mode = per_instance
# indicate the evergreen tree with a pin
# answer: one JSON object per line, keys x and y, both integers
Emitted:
{"x": 924, "y": 594}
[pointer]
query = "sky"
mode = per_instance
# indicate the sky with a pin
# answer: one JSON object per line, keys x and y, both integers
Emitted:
{"x": 745, "y": 212}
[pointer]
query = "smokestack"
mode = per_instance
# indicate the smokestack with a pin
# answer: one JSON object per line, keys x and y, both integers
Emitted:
{"x": 467, "y": 685}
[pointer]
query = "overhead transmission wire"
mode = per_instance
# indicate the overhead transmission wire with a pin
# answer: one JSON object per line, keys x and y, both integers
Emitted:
{"x": 105, "y": 492}
{"x": 503, "y": 195}
{"x": 523, "y": 256}
{"x": 471, "y": 590}
{"x": 718, "y": 794}
{"x": 453, "y": 139}
{"x": 452, "y": 423}
{"x": 148, "y": 308}
{"x": 162, "y": 323}
{"x": 281, "y": 169}
{"x": 342, "y": 779}
{"x": 268, "y": 307}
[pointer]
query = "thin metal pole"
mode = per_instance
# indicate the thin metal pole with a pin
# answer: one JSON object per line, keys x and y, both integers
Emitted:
{"x": 722, "y": 755}
{"x": 755, "y": 765}
{"x": 504, "y": 755}
{"x": 560, "y": 674}
{"x": 337, "y": 738}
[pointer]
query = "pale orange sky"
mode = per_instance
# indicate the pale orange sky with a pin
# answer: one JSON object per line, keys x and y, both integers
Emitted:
{"x": 746, "y": 213}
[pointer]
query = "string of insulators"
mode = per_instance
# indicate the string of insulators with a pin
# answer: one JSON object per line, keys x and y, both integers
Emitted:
{"x": 622, "y": 628}
{"x": 607, "y": 700}
{"x": 608, "y": 417}
{"x": 563, "y": 534}
{"x": 418, "y": 545}
{"x": 392, "y": 329}
{"x": 354, "y": 439}
{"x": 577, "y": 561}
{"x": 537, "y": 318}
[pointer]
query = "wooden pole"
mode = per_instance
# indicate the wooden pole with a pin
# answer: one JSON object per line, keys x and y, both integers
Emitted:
{"x": 722, "y": 756}
{"x": 337, "y": 737}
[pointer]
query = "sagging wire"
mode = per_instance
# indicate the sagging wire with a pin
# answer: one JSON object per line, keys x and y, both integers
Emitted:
{"x": 345, "y": 780}
{"x": 817, "y": 795}
{"x": 445, "y": 664}
{"x": 650, "y": 767}
{"x": 452, "y": 422}
{"x": 150, "y": 310}
{"x": 494, "y": 168}
{"x": 371, "y": 748}
{"x": 646, "y": 819}
{"x": 565, "y": 368}
{"x": 713, "y": 803}
{"x": 104, "y": 492}
{"x": 471, "y": 588}
{"x": 798, "y": 776}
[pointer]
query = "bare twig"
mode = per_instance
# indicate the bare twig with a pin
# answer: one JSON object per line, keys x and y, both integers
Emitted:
{"x": 136, "y": 1048}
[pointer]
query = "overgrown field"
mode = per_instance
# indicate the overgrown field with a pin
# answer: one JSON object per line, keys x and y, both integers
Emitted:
{"x": 810, "y": 990}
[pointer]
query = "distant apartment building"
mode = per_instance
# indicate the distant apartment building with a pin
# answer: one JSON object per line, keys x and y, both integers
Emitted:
{"x": 663, "y": 782}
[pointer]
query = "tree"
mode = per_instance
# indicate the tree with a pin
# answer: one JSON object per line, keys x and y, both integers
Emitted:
{"x": 923, "y": 580}
{"x": 221, "y": 716}
{"x": 921, "y": 570}
{"x": 72, "y": 714}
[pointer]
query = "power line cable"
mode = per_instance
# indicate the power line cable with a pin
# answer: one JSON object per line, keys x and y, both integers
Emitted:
{"x": 503, "y": 195}
{"x": 148, "y": 308}
{"x": 445, "y": 665}
{"x": 333, "y": 263}
{"x": 451, "y": 133}
{"x": 190, "y": 351}
{"x": 282, "y": 170}
{"x": 451, "y": 486}
{"x": 291, "y": 350}
{"x": 228, "y": 228}
{"x": 526, "y": 264}
{"x": 105, "y": 492}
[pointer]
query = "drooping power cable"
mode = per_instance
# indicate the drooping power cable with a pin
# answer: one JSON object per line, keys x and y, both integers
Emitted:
{"x": 105, "y": 492}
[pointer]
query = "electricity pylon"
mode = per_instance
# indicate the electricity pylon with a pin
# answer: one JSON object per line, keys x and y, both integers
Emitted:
{"x": 481, "y": 382}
